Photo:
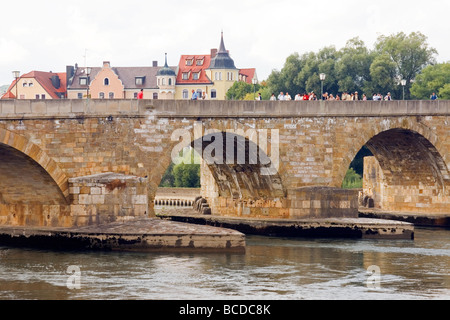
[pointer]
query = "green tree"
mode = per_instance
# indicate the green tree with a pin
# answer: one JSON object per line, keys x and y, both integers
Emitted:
{"x": 284, "y": 80}
{"x": 239, "y": 89}
{"x": 444, "y": 92}
{"x": 382, "y": 73}
{"x": 187, "y": 175}
{"x": 168, "y": 180}
{"x": 409, "y": 53}
{"x": 434, "y": 78}
{"x": 353, "y": 66}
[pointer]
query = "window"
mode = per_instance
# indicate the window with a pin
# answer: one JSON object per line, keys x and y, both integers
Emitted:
{"x": 106, "y": 82}
{"x": 170, "y": 81}
{"x": 111, "y": 95}
{"x": 199, "y": 93}
{"x": 213, "y": 94}
{"x": 199, "y": 62}
{"x": 230, "y": 76}
{"x": 43, "y": 96}
{"x": 80, "y": 95}
{"x": 24, "y": 84}
{"x": 37, "y": 97}
{"x": 83, "y": 81}
{"x": 101, "y": 95}
{"x": 185, "y": 76}
{"x": 196, "y": 75}
{"x": 139, "y": 81}
{"x": 155, "y": 95}
{"x": 189, "y": 62}
{"x": 185, "y": 94}
{"x": 30, "y": 84}
{"x": 218, "y": 76}
{"x": 163, "y": 81}
{"x": 135, "y": 95}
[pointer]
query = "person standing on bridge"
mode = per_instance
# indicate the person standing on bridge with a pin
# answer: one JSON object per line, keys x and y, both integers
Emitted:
{"x": 281, "y": 96}
{"x": 194, "y": 95}
{"x": 141, "y": 94}
{"x": 433, "y": 96}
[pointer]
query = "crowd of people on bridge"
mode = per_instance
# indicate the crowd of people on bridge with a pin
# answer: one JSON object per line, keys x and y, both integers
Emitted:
{"x": 353, "y": 96}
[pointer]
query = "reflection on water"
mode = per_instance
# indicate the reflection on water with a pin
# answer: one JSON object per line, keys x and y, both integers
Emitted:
{"x": 271, "y": 268}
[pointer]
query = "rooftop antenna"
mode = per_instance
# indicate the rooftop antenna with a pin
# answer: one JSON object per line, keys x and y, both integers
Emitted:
{"x": 85, "y": 58}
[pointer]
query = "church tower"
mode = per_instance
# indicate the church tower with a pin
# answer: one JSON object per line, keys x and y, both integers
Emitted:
{"x": 165, "y": 78}
{"x": 222, "y": 71}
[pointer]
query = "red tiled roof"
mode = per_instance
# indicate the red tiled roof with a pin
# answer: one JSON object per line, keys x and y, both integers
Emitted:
{"x": 45, "y": 80}
{"x": 8, "y": 95}
{"x": 194, "y": 68}
{"x": 248, "y": 73}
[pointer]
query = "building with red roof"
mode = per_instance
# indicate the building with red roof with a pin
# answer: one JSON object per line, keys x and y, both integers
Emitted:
{"x": 38, "y": 85}
{"x": 209, "y": 75}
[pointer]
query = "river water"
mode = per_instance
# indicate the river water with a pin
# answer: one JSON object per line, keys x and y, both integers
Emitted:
{"x": 270, "y": 269}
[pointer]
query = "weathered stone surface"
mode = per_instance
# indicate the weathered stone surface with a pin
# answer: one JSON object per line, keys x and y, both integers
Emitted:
{"x": 140, "y": 234}
{"x": 317, "y": 141}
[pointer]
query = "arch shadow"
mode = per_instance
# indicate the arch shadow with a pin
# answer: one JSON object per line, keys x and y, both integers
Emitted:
{"x": 27, "y": 171}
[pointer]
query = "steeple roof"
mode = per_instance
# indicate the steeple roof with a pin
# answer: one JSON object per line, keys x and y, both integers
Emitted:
{"x": 166, "y": 70}
{"x": 222, "y": 60}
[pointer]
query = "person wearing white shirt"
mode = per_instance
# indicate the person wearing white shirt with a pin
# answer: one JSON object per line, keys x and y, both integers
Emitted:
{"x": 281, "y": 96}
{"x": 287, "y": 97}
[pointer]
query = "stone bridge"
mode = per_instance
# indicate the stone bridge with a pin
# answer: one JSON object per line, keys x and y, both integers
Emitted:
{"x": 81, "y": 162}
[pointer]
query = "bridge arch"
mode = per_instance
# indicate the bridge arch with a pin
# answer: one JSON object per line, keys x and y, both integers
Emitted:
{"x": 411, "y": 172}
{"x": 364, "y": 136}
{"x": 240, "y": 169}
{"x": 26, "y": 166}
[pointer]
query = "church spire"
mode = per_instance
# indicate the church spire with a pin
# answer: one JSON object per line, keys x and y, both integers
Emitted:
{"x": 222, "y": 60}
{"x": 222, "y": 45}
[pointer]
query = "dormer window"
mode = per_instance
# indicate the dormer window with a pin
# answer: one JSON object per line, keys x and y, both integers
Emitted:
{"x": 139, "y": 81}
{"x": 189, "y": 62}
{"x": 83, "y": 81}
{"x": 196, "y": 75}
{"x": 185, "y": 76}
{"x": 200, "y": 61}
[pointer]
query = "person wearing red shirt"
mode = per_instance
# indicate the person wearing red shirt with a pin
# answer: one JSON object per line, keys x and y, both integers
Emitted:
{"x": 141, "y": 94}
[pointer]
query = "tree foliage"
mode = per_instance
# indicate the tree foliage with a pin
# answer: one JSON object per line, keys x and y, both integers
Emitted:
{"x": 435, "y": 78}
{"x": 357, "y": 68}
{"x": 240, "y": 89}
{"x": 185, "y": 174}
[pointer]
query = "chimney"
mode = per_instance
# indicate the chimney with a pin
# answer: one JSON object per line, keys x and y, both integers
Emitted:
{"x": 155, "y": 63}
{"x": 56, "y": 82}
{"x": 106, "y": 64}
{"x": 70, "y": 71}
{"x": 213, "y": 53}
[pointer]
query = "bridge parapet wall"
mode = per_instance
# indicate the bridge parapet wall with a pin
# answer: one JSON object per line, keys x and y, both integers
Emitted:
{"x": 72, "y": 108}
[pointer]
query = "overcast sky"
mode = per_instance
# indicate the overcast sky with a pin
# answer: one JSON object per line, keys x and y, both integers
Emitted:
{"x": 48, "y": 35}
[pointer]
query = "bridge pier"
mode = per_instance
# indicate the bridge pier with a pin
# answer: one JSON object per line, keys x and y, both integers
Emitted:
{"x": 107, "y": 197}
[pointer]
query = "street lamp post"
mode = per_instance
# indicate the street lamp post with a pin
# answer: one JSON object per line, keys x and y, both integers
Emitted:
{"x": 322, "y": 78}
{"x": 403, "y": 82}
{"x": 16, "y": 75}
{"x": 88, "y": 73}
{"x": 254, "y": 81}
